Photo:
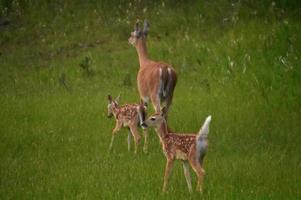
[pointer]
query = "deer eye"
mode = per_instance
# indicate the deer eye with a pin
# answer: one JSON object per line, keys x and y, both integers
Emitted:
{"x": 153, "y": 119}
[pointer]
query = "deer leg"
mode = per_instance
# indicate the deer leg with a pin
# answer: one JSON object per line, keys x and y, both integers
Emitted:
{"x": 145, "y": 147}
{"x": 156, "y": 102}
{"x": 129, "y": 141}
{"x": 187, "y": 175}
{"x": 167, "y": 104}
{"x": 167, "y": 173}
{"x": 145, "y": 101}
{"x": 136, "y": 135}
{"x": 115, "y": 130}
{"x": 196, "y": 166}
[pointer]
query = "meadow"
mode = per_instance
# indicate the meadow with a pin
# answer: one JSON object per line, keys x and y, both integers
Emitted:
{"x": 239, "y": 61}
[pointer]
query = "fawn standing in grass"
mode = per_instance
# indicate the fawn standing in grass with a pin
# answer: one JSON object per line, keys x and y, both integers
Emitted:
{"x": 190, "y": 148}
{"x": 128, "y": 115}
{"x": 156, "y": 80}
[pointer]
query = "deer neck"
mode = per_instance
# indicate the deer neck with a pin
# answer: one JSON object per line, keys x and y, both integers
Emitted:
{"x": 162, "y": 130}
{"x": 115, "y": 111}
{"x": 142, "y": 51}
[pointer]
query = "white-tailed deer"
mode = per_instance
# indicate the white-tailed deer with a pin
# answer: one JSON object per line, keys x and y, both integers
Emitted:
{"x": 128, "y": 115}
{"x": 190, "y": 148}
{"x": 156, "y": 80}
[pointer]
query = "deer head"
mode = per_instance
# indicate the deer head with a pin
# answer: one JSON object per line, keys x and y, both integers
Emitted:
{"x": 156, "y": 119}
{"x": 112, "y": 105}
{"x": 139, "y": 34}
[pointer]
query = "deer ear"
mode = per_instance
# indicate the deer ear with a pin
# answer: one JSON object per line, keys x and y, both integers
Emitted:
{"x": 110, "y": 98}
{"x": 145, "y": 27}
{"x": 163, "y": 111}
{"x": 137, "y": 26}
{"x": 117, "y": 98}
{"x": 137, "y": 30}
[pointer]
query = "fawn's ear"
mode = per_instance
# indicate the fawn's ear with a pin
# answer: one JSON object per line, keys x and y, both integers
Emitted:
{"x": 163, "y": 111}
{"x": 117, "y": 99}
{"x": 110, "y": 98}
{"x": 145, "y": 27}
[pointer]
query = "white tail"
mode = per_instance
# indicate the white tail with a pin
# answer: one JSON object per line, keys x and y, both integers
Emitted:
{"x": 203, "y": 133}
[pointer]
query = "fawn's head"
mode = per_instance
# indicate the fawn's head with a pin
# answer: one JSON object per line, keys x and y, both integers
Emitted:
{"x": 156, "y": 119}
{"x": 139, "y": 34}
{"x": 112, "y": 105}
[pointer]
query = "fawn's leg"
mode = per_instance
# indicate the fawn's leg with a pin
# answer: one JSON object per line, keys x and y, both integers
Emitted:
{"x": 187, "y": 175}
{"x": 167, "y": 173}
{"x": 129, "y": 141}
{"x": 196, "y": 166}
{"x": 135, "y": 133}
{"x": 145, "y": 147}
{"x": 115, "y": 130}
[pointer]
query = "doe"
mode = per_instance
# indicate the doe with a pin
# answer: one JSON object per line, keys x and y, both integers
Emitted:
{"x": 156, "y": 80}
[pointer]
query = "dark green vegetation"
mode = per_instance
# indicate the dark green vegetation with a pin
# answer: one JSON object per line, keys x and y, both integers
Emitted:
{"x": 237, "y": 60}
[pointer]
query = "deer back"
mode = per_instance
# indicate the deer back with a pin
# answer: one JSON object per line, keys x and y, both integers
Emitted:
{"x": 156, "y": 78}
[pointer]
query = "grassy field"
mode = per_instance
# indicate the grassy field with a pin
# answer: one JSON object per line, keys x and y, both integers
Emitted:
{"x": 239, "y": 61}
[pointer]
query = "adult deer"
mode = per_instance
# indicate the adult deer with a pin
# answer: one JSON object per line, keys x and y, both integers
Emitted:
{"x": 156, "y": 80}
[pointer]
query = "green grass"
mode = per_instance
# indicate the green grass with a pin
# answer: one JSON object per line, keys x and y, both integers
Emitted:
{"x": 238, "y": 61}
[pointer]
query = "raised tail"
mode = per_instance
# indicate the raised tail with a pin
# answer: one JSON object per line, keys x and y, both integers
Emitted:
{"x": 204, "y": 131}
